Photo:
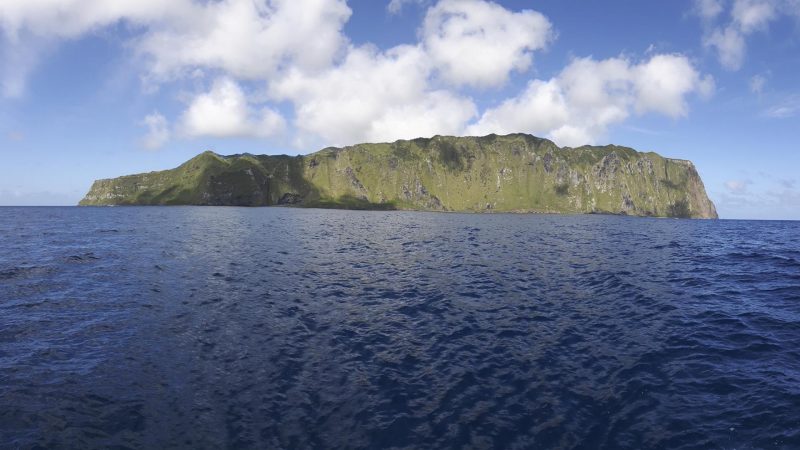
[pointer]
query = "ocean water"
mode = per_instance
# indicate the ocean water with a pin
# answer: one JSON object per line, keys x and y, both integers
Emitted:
{"x": 200, "y": 327}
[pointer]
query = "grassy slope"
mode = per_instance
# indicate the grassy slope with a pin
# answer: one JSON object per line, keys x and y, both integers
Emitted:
{"x": 498, "y": 173}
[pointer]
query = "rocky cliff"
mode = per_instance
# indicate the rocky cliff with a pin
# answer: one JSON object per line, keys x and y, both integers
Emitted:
{"x": 518, "y": 173}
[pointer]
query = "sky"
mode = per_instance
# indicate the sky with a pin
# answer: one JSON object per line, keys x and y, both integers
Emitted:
{"x": 95, "y": 89}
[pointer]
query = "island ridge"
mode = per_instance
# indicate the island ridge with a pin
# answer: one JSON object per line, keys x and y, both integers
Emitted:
{"x": 513, "y": 173}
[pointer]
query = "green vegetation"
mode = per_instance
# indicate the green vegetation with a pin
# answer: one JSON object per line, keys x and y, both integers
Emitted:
{"x": 518, "y": 172}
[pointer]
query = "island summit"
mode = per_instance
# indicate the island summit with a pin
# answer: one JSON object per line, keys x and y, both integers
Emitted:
{"x": 513, "y": 173}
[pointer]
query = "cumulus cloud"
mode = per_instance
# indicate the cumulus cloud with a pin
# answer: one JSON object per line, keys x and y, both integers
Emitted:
{"x": 373, "y": 96}
{"x": 479, "y": 43}
{"x": 577, "y": 106}
{"x": 542, "y": 107}
{"x": 662, "y": 83}
{"x": 158, "y": 132}
{"x": 224, "y": 111}
{"x": 341, "y": 93}
{"x": 249, "y": 39}
{"x": 244, "y": 38}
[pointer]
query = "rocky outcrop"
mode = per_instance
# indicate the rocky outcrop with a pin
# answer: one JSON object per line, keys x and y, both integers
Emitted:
{"x": 518, "y": 173}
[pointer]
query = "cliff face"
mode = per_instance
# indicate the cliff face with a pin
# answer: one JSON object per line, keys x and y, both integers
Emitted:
{"x": 517, "y": 172}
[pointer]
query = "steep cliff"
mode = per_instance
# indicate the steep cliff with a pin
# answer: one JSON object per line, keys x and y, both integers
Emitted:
{"x": 518, "y": 172}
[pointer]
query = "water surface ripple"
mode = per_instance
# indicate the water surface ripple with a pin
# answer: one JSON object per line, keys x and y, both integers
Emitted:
{"x": 288, "y": 328}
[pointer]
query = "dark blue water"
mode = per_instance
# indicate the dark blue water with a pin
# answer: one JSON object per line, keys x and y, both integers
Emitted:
{"x": 289, "y": 328}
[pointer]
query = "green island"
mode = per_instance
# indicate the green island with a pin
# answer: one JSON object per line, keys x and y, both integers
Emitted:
{"x": 513, "y": 173}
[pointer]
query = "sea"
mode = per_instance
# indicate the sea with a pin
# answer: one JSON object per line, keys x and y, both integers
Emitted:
{"x": 273, "y": 328}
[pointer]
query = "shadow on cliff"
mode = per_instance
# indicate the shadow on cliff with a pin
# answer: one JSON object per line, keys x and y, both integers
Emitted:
{"x": 278, "y": 181}
{"x": 349, "y": 202}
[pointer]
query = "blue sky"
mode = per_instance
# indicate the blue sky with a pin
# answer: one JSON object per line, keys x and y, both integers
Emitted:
{"x": 96, "y": 89}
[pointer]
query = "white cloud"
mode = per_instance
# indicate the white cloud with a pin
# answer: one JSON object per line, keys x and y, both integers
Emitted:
{"x": 225, "y": 112}
{"x": 249, "y": 39}
{"x": 72, "y": 18}
{"x": 373, "y": 96}
{"x": 577, "y": 106}
{"x": 752, "y": 15}
{"x": 434, "y": 112}
{"x": 708, "y": 9}
{"x": 479, "y": 43}
{"x": 730, "y": 46}
{"x": 342, "y": 94}
{"x": 244, "y": 38}
{"x": 395, "y": 6}
{"x": 662, "y": 83}
{"x": 538, "y": 110}
{"x": 158, "y": 132}
{"x": 746, "y": 17}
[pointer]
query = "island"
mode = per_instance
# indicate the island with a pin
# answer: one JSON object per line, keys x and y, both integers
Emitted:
{"x": 513, "y": 173}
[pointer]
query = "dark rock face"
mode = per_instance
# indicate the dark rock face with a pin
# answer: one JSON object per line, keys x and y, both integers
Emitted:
{"x": 518, "y": 172}
{"x": 290, "y": 198}
{"x": 548, "y": 162}
{"x": 627, "y": 204}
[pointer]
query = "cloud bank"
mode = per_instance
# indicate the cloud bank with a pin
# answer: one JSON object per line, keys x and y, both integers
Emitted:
{"x": 588, "y": 96}
{"x": 328, "y": 91}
